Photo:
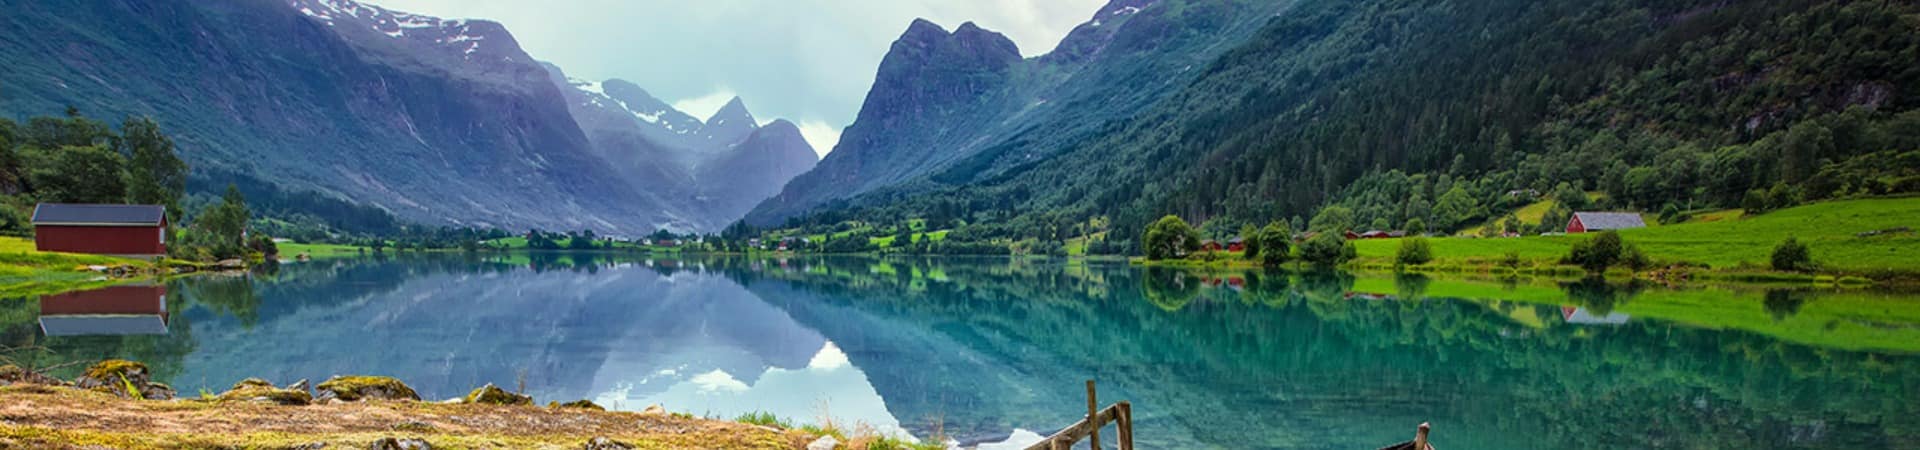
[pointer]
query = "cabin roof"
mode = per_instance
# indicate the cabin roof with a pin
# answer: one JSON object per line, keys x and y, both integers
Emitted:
{"x": 1610, "y": 220}
{"x": 98, "y": 215}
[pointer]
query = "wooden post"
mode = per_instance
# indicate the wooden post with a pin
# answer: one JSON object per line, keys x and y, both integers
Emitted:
{"x": 1420, "y": 438}
{"x": 1093, "y": 417}
{"x": 1125, "y": 425}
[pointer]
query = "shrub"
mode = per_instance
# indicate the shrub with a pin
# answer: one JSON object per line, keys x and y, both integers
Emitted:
{"x": 1169, "y": 237}
{"x": 1598, "y": 253}
{"x": 1415, "y": 226}
{"x": 1413, "y": 252}
{"x": 1635, "y": 259}
{"x": 1276, "y": 243}
{"x": 1792, "y": 256}
{"x": 1327, "y": 249}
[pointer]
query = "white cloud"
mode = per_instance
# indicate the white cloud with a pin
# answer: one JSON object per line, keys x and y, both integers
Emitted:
{"x": 820, "y": 135}
{"x": 829, "y": 358}
{"x": 718, "y": 380}
{"x": 704, "y": 106}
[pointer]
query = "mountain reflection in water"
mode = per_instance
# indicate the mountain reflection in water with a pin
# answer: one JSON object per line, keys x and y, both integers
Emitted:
{"x": 976, "y": 349}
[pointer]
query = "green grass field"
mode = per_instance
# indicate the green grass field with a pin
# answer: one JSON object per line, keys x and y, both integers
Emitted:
{"x": 290, "y": 250}
{"x": 25, "y": 271}
{"x": 1728, "y": 240}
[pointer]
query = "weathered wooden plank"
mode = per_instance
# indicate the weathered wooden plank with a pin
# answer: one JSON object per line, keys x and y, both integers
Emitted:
{"x": 1079, "y": 430}
{"x": 1093, "y": 406}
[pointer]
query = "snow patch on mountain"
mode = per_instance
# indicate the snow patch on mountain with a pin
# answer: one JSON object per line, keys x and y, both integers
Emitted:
{"x": 393, "y": 24}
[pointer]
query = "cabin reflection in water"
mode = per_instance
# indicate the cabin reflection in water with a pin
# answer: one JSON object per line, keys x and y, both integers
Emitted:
{"x": 117, "y": 310}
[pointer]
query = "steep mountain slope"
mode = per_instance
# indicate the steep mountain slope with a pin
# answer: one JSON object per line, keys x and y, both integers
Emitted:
{"x": 1695, "y": 102}
{"x": 708, "y": 172}
{"x": 754, "y": 169}
{"x": 437, "y": 121}
{"x": 965, "y": 98}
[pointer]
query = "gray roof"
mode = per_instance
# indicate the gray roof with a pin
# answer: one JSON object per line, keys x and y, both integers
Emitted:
{"x": 1610, "y": 220}
{"x": 74, "y": 214}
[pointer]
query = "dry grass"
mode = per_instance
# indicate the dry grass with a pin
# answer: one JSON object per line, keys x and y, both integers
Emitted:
{"x": 34, "y": 416}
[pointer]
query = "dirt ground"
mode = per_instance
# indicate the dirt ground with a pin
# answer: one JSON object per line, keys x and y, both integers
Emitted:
{"x": 34, "y": 416}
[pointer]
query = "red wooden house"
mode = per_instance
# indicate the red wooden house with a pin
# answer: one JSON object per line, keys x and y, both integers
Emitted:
{"x": 1210, "y": 245}
{"x": 129, "y": 230}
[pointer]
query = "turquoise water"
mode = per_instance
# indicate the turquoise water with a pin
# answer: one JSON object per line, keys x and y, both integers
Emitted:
{"x": 991, "y": 350}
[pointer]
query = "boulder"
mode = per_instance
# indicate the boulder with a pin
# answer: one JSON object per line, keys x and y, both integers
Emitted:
{"x": 10, "y": 374}
{"x": 266, "y": 394}
{"x": 654, "y": 410}
{"x": 231, "y": 264}
{"x": 301, "y": 385}
{"x": 824, "y": 443}
{"x": 123, "y": 378}
{"x": 602, "y": 443}
{"x": 494, "y": 395}
{"x": 399, "y": 444}
{"x": 580, "y": 404}
{"x": 353, "y": 388}
{"x": 250, "y": 382}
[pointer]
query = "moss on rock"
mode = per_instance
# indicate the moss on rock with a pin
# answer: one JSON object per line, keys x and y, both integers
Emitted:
{"x": 359, "y": 387}
{"x": 493, "y": 395}
{"x": 251, "y": 382}
{"x": 123, "y": 378}
{"x": 251, "y": 393}
{"x": 10, "y": 374}
{"x": 114, "y": 368}
{"x": 581, "y": 404}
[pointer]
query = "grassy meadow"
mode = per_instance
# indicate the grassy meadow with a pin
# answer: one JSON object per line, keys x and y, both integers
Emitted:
{"x": 1725, "y": 240}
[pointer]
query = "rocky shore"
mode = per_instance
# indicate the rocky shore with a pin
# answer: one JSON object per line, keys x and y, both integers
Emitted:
{"x": 114, "y": 404}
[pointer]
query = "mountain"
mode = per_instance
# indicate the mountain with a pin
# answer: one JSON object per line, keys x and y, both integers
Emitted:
{"x": 437, "y": 121}
{"x": 1398, "y": 111}
{"x": 708, "y": 173}
{"x": 754, "y": 169}
{"x": 942, "y": 99}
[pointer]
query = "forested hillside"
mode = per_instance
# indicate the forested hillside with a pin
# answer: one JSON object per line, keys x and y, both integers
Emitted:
{"x": 946, "y": 104}
{"x": 1456, "y": 112}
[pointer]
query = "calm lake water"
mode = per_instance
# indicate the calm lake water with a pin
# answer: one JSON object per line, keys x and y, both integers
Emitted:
{"x": 992, "y": 350}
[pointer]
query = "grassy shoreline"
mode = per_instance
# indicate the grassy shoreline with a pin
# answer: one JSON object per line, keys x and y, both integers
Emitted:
{"x": 1727, "y": 250}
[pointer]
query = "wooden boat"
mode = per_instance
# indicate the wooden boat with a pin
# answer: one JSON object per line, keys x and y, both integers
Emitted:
{"x": 1419, "y": 441}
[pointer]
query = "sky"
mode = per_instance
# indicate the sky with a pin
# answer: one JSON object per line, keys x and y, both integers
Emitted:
{"x": 807, "y": 61}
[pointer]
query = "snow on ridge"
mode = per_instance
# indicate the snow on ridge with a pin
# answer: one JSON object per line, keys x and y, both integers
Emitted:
{"x": 1126, "y": 10}
{"x": 394, "y": 24}
{"x": 594, "y": 87}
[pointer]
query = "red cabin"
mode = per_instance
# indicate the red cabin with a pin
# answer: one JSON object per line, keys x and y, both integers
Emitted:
{"x": 1210, "y": 245}
{"x": 126, "y": 230}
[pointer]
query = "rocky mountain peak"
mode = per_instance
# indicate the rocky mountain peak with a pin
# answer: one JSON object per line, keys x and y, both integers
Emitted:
{"x": 1093, "y": 36}
{"x": 731, "y": 123}
{"x": 733, "y": 114}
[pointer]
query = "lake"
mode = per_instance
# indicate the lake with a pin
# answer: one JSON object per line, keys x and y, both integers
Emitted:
{"x": 990, "y": 351}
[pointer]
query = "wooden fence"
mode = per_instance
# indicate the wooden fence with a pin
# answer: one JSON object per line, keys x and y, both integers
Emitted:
{"x": 1119, "y": 414}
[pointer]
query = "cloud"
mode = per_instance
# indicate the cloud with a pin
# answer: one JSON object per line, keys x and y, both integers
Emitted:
{"x": 704, "y": 106}
{"x": 820, "y": 135}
